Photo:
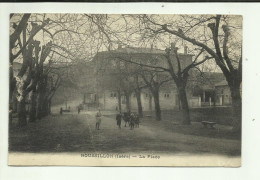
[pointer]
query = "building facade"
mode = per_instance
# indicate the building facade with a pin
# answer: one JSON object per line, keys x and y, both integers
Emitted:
{"x": 112, "y": 66}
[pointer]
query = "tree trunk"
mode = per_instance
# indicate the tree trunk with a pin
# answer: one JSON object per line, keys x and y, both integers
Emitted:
{"x": 11, "y": 94}
{"x": 10, "y": 116}
{"x": 179, "y": 101}
{"x": 139, "y": 103}
{"x": 184, "y": 104}
{"x": 22, "y": 113}
{"x": 12, "y": 82}
{"x": 32, "y": 117}
{"x": 40, "y": 105}
{"x": 41, "y": 97}
{"x": 84, "y": 98}
{"x": 45, "y": 107}
{"x": 119, "y": 101}
{"x": 236, "y": 107}
{"x": 49, "y": 107}
{"x": 150, "y": 102}
{"x": 128, "y": 106}
{"x": 14, "y": 103}
{"x": 157, "y": 105}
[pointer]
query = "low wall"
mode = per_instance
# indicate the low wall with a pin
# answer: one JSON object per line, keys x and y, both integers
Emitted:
{"x": 221, "y": 115}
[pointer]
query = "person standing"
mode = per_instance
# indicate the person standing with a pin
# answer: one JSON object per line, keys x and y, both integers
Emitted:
{"x": 98, "y": 119}
{"x": 118, "y": 120}
{"x": 132, "y": 121}
{"x": 61, "y": 110}
{"x": 78, "y": 109}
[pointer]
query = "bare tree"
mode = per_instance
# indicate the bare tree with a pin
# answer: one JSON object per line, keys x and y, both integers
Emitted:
{"x": 138, "y": 86}
{"x": 231, "y": 68}
{"x": 33, "y": 77}
{"x": 181, "y": 76}
{"x": 154, "y": 81}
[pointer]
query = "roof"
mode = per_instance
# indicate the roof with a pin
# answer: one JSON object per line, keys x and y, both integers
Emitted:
{"x": 222, "y": 83}
{"x": 137, "y": 50}
{"x": 214, "y": 77}
{"x": 208, "y": 80}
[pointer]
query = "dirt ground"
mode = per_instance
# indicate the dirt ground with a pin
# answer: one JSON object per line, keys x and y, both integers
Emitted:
{"x": 72, "y": 132}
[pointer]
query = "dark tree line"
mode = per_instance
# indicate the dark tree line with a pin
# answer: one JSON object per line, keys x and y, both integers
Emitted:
{"x": 36, "y": 44}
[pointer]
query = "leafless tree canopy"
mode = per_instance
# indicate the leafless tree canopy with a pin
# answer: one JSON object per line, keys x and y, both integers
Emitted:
{"x": 50, "y": 47}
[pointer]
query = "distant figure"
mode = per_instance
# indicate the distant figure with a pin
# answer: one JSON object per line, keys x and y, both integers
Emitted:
{"x": 69, "y": 108}
{"x": 98, "y": 119}
{"x": 78, "y": 109}
{"x": 126, "y": 118}
{"x": 137, "y": 120}
{"x": 61, "y": 110}
{"x": 132, "y": 121}
{"x": 118, "y": 120}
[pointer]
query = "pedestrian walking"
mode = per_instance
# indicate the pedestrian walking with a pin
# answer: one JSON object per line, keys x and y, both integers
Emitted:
{"x": 132, "y": 121}
{"x": 98, "y": 119}
{"x": 61, "y": 110}
{"x": 78, "y": 109}
{"x": 118, "y": 120}
{"x": 137, "y": 120}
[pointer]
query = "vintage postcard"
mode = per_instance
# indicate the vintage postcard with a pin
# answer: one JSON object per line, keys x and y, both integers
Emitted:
{"x": 125, "y": 89}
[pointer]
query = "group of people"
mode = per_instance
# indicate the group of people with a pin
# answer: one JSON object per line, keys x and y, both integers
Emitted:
{"x": 129, "y": 118}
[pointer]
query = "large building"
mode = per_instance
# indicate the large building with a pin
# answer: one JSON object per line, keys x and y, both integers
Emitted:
{"x": 114, "y": 78}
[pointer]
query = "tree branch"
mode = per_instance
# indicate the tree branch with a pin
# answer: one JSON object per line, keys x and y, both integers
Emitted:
{"x": 34, "y": 31}
{"x": 225, "y": 48}
{"x": 18, "y": 29}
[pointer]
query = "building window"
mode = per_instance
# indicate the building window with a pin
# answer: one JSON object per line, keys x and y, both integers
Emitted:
{"x": 113, "y": 95}
{"x": 166, "y": 95}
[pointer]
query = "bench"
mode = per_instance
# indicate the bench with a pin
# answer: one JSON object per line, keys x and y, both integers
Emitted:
{"x": 206, "y": 123}
{"x": 65, "y": 110}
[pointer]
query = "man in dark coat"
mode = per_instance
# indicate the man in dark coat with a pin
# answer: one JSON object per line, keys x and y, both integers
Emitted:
{"x": 132, "y": 121}
{"x": 118, "y": 120}
{"x": 137, "y": 120}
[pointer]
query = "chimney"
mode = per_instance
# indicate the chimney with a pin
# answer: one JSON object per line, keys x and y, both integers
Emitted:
{"x": 119, "y": 46}
{"x": 185, "y": 50}
{"x": 173, "y": 46}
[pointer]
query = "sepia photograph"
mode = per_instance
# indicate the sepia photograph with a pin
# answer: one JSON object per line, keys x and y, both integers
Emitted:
{"x": 125, "y": 89}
